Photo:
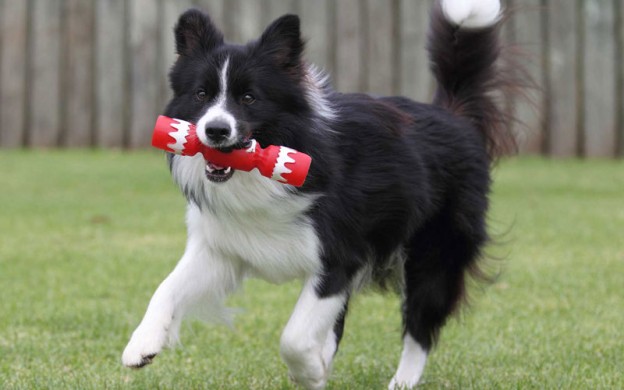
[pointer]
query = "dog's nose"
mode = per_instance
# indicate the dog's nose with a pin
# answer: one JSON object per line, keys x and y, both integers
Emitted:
{"x": 217, "y": 131}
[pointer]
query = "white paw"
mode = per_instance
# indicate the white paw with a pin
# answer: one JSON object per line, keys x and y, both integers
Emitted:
{"x": 310, "y": 383}
{"x": 309, "y": 372}
{"x": 143, "y": 346}
{"x": 396, "y": 384}
{"x": 411, "y": 366}
{"x": 472, "y": 13}
{"x": 306, "y": 366}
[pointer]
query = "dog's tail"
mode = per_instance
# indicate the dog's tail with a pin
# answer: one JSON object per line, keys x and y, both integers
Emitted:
{"x": 464, "y": 50}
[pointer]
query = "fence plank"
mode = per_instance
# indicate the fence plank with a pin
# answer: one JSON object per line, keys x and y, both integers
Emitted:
{"x": 144, "y": 70}
{"x": 348, "y": 73}
{"x": 600, "y": 80}
{"x": 44, "y": 73}
{"x": 619, "y": 60}
{"x": 214, "y": 7}
{"x": 273, "y": 9}
{"x": 13, "y": 38}
{"x": 528, "y": 40}
{"x": 171, "y": 13}
{"x": 316, "y": 30}
{"x": 78, "y": 89}
{"x": 243, "y": 20}
{"x": 110, "y": 79}
{"x": 2, "y": 33}
{"x": 416, "y": 81}
{"x": 562, "y": 123}
{"x": 379, "y": 34}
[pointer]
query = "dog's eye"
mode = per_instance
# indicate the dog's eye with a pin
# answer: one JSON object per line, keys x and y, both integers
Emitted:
{"x": 200, "y": 95}
{"x": 248, "y": 99}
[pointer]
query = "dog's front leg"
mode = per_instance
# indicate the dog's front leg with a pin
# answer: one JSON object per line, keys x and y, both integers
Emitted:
{"x": 201, "y": 278}
{"x": 308, "y": 342}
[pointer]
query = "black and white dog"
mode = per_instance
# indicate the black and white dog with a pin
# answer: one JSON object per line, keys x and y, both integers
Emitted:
{"x": 397, "y": 192}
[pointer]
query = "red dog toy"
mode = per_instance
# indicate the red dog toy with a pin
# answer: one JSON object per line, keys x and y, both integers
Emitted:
{"x": 279, "y": 163}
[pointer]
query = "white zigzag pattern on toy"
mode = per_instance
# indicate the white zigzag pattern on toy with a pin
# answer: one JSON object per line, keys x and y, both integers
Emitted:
{"x": 180, "y": 135}
{"x": 283, "y": 158}
{"x": 252, "y": 147}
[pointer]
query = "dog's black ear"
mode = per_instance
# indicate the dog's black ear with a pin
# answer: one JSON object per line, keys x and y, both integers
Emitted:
{"x": 196, "y": 31}
{"x": 282, "y": 41}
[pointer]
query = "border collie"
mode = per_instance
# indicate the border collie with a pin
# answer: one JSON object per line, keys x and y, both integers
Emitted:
{"x": 397, "y": 193}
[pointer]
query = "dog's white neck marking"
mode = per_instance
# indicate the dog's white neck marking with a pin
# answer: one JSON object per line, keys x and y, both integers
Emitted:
{"x": 218, "y": 110}
{"x": 258, "y": 221}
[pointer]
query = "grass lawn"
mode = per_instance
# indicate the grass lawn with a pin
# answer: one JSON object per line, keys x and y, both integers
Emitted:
{"x": 85, "y": 238}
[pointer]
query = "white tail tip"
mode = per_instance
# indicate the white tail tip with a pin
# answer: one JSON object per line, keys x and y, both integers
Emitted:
{"x": 472, "y": 13}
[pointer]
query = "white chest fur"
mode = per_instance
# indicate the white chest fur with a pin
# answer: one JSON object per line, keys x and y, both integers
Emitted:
{"x": 259, "y": 223}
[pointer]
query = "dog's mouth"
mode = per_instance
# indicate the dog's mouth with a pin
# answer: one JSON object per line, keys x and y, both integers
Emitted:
{"x": 218, "y": 174}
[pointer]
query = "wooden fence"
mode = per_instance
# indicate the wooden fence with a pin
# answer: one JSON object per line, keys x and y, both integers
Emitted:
{"x": 76, "y": 73}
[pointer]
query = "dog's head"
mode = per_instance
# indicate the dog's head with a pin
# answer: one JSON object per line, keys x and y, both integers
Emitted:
{"x": 260, "y": 90}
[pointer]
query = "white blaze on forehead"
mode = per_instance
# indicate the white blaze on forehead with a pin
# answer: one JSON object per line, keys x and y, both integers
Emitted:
{"x": 218, "y": 110}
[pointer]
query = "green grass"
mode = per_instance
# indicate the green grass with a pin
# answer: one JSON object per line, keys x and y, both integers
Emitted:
{"x": 85, "y": 238}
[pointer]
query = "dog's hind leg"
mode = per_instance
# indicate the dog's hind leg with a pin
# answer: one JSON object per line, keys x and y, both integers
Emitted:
{"x": 435, "y": 271}
{"x": 429, "y": 298}
{"x": 311, "y": 337}
{"x": 200, "y": 281}
{"x": 411, "y": 366}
